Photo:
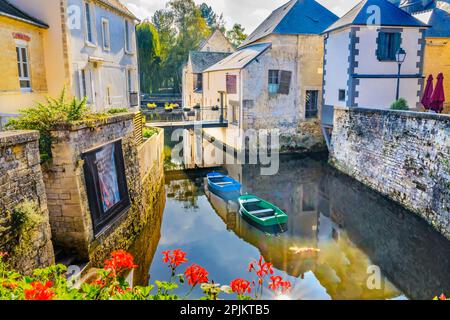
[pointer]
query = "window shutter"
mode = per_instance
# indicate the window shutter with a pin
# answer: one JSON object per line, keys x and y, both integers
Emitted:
{"x": 231, "y": 81}
{"x": 397, "y": 43}
{"x": 381, "y": 42}
{"x": 285, "y": 82}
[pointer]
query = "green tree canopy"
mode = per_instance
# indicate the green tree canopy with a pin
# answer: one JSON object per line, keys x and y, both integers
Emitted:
{"x": 149, "y": 47}
{"x": 236, "y": 35}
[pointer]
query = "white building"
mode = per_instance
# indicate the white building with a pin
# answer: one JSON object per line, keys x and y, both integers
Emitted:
{"x": 90, "y": 48}
{"x": 360, "y": 68}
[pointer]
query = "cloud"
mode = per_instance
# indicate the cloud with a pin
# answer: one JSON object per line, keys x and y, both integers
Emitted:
{"x": 249, "y": 13}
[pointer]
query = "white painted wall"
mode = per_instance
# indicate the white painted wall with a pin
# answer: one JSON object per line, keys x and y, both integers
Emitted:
{"x": 380, "y": 93}
{"x": 367, "y": 59}
{"x": 111, "y": 73}
{"x": 336, "y": 67}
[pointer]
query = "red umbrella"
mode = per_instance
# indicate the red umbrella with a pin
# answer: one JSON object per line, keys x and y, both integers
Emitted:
{"x": 438, "y": 98}
{"x": 428, "y": 93}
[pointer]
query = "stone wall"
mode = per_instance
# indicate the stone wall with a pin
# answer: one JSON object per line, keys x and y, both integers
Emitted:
{"x": 20, "y": 181}
{"x": 68, "y": 205}
{"x": 403, "y": 155}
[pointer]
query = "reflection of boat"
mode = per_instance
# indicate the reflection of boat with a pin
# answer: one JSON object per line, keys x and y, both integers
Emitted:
{"x": 223, "y": 186}
{"x": 261, "y": 211}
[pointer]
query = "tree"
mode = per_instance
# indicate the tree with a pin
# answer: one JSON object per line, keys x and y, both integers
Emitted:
{"x": 149, "y": 48}
{"x": 213, "y": 20}
{"x": 191, "y": 30}
{"x": 237, "y": 35}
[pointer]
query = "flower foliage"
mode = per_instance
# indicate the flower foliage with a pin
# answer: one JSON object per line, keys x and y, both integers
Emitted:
{"x": 109, "y": 282}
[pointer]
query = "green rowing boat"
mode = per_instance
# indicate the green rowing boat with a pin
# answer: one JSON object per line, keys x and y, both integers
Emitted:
{"x": 262, "y": 212}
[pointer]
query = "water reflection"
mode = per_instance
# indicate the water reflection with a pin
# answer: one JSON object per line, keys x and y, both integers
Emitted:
{"x": 353, "y": 228}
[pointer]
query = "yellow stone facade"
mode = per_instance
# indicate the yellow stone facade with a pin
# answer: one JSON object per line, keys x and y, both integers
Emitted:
{"x": 437, "y": 59}
{"x": 11, "y": 97}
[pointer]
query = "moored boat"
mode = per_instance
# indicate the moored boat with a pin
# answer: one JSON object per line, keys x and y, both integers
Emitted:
{"x": 261, "y": 212}
{"x": 222, "y": 184}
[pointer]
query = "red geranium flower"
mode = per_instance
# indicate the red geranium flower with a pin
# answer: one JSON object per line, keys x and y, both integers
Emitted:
{"x": 277, "y": 283}
{"x": 174, "y": 258}
{"x": 39, "y": 291}
{"x": 196, "y": 275}
{"x": 241, "y": 286}
{"x": 3, "y": 254}
{"x": 264, "y": 268}
{"x": 120, "y": 260}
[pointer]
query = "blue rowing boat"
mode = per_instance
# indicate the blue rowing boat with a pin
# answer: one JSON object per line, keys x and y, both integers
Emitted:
{"x": 222, "y": 184}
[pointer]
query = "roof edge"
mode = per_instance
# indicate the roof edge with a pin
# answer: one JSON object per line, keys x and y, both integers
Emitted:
{"x": 34, "y": 23}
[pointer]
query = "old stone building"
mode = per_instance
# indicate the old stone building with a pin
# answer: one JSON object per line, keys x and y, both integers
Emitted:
{"x": 90, "y": 48}
{"x": 21, "y": 44}
{"x": 210, "y": 51}
{"x": 274, "y": 80}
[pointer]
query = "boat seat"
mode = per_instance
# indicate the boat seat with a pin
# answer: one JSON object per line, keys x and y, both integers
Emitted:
{"x": 223, "y": 183}
{"x": 263, "y": 213}
{"x": 216, "y": 177}
{"x": 251, "y": 201}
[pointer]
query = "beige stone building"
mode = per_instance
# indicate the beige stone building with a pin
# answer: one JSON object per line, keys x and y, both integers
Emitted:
{"x": 22, "y": 66}
{"x": 210, "y": 51}
{"x": 274, "y": 80}
{"x": 89, "y": 48}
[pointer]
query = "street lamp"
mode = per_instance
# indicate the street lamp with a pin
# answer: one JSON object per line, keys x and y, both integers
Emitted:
{"x": 400, "y": 57}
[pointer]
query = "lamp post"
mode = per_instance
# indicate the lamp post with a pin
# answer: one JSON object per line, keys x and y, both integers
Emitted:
{"x": 400, "y": 57}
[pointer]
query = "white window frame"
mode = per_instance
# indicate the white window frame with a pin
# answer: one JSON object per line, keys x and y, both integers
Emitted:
{"x": 128, "y": 32}
{"x": 89, "y": 42}
{"x": 20, "y": 63}
{"x": 106, "y": 37}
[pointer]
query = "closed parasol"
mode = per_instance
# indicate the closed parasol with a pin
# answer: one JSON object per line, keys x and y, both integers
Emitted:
{"x": 438, "y": 98}
{"x": 428, "y": 93}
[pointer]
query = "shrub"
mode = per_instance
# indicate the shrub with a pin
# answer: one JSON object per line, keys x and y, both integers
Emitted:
{"x": 149, "y": 132}
{"x": 117, "y": 110}
{"x": 400, "y": 104}
{"x": 26, "y": 219}
{"x": 44, "y": 116}
{"x": 151, "y": 105}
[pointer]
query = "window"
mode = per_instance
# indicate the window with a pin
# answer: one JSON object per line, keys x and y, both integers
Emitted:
{"x": 23, "y": 67}
{"x": 88, "y": 17}
{"x": 198, "y": 82}
{"x": 127, "y": 37}
{"x": 388, "y": 45}
{"x": 235, "y": 113}
{"x": 274, "y": 81}
{"x": 83, "y": 90}
{"x": 130, "y": 80}
{"x": 311, "y": 103}
{"x": 108, "y": 96}
{"x": 106, "y": 35}
{"x": 231, "y": 84}
{"x": 106, "y": 186}
{"x": 279, "y": 81}
{"x": 341, "y": 95}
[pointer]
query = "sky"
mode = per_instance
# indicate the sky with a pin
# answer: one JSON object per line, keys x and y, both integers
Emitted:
{"x": 249, "y": 13}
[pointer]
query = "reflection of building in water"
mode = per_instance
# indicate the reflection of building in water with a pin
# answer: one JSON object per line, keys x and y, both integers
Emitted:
{"x": 353, "y": 227}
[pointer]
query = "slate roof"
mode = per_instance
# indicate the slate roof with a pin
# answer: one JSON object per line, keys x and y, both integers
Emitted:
{"x": 391, "y": 15}
{"x": 295, "y": 17}
{"x": 438, "y": 18}
{"x": 116, "y": 4}
{"x": 8, "y": 10}
{"x": 202, "y": 60}
{"x": 240, "y": 59}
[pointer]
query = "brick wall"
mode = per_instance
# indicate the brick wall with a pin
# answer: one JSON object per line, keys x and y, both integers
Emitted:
{"x": 21, "y": 180}
{"x": 403, "y": 155}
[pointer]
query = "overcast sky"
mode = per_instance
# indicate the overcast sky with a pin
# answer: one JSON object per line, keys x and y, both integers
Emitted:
{"x": 249, "y": 13}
